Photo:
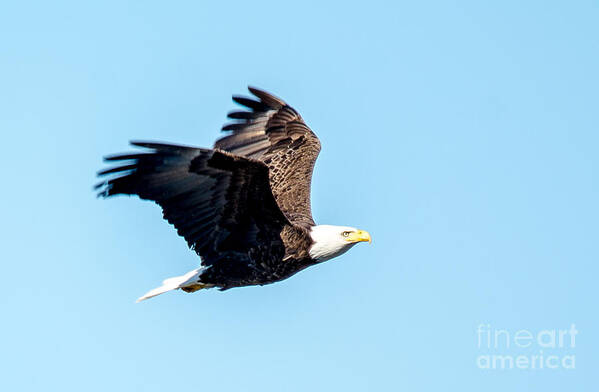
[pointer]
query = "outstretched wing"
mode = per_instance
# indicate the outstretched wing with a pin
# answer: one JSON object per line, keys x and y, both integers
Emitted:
{"x": 220, "y": 203}
{"x": 273, "y": 132}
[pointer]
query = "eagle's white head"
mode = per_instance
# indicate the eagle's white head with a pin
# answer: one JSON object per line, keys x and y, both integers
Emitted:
{"x": 332, "y": 241}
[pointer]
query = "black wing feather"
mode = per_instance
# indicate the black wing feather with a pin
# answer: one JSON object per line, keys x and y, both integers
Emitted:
{"x": 220, "y": 203}
{"x": 274, "y": 133}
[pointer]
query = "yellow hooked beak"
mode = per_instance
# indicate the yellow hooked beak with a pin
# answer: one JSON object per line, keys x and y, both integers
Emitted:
{"x": 359, "y": 236}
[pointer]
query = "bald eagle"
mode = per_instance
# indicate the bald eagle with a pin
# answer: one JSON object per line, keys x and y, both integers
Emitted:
{"x": 243, "y": 206}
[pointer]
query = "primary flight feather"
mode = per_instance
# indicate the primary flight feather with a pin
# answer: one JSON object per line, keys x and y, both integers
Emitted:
{"x": 243, "y": 206}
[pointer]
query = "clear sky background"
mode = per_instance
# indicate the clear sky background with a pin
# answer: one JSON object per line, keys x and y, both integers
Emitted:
{"x": 463, "y": 135}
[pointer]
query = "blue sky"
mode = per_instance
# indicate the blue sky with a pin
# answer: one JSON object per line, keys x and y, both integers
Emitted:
{"x": 463, "y": 135}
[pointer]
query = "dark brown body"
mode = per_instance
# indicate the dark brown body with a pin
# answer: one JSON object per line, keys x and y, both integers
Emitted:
{"x": 260, "y": 267}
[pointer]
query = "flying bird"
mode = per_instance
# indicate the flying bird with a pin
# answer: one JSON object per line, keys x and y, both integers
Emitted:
{"x": 242, "y": 206}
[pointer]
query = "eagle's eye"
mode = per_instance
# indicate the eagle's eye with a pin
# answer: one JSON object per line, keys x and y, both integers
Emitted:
{"x": 345, "y": 233}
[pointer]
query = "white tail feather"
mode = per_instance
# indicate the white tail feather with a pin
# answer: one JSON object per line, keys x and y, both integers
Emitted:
{"x": 177, "y": 282}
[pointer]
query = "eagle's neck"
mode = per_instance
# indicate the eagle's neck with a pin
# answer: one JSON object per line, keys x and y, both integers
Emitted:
{"x": 327, "y": 242}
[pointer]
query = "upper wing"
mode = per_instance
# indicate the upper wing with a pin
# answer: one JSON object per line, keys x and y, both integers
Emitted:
{"x": 273, "y": 132}
{"x": 220, "y": 203}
